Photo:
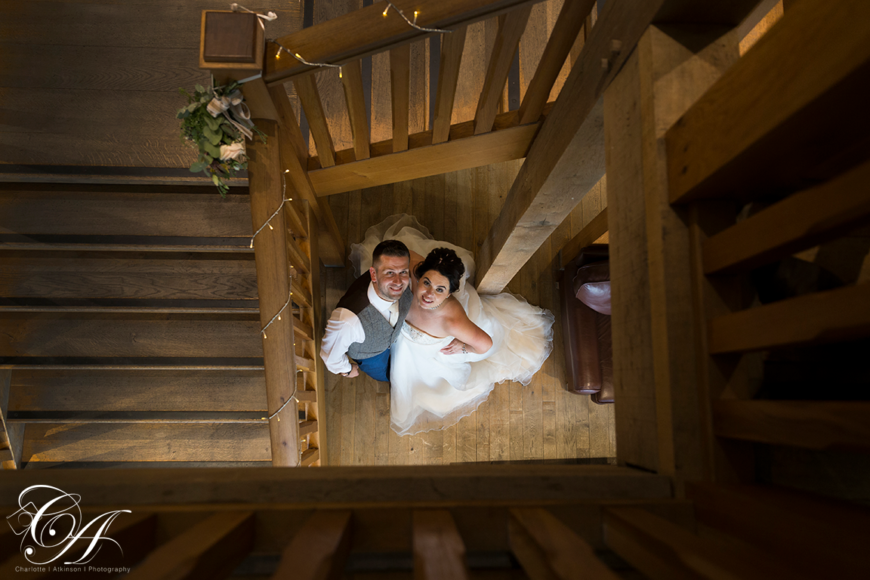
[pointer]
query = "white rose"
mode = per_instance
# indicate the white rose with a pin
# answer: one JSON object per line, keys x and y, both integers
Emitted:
{"x": 235, "y": 151}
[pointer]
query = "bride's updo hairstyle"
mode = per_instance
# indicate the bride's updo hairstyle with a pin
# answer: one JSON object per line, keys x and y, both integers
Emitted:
{"x": 445, "y": 262}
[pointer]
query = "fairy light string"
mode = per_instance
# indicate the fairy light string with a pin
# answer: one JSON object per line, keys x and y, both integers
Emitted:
{"x": 413, "y": 24}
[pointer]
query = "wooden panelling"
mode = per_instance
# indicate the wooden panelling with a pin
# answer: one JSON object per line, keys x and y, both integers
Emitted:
{"x": 147, "y": 442}
{"x": 452, "y": 47}
{"x": 82, "y": 335}
{"x": 799, "y": 222}
{"x": 808, "y": 424}
{"x": 368, "y": 31}
{"x": 209, "y": 548}
{"x": 149, "y": 276}
{"x": 356, "y": 108}
{"x": 770, "y": 138}
{"x": 510, "y": 30}
{"x": 835, "y": 315}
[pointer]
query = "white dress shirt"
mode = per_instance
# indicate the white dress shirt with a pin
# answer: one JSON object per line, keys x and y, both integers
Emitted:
{"x": 343, "y": 329}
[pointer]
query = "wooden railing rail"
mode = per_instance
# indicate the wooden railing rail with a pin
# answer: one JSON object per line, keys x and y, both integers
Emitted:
{"x": 367, "y": 31}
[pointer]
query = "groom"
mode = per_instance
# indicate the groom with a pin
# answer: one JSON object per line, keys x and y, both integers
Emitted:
{"x": 369, "y": 317}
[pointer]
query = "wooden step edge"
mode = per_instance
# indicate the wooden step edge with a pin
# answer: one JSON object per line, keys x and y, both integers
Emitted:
{"x": 307, "y": 427}
{"x": 129, "y": 309}
{"x": 301, "y": 295}
{"x": 138, "y": 417}
{"x": 302, "y": 329}
{"x": 30, "y": 465}
{"x": 125, "y": 248}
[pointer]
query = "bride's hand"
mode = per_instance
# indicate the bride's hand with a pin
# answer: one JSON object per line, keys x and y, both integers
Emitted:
{"x": 456, "y": 346}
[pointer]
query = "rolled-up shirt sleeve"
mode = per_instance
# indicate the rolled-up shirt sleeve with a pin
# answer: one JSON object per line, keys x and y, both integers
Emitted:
{"x": 342, "y": 329}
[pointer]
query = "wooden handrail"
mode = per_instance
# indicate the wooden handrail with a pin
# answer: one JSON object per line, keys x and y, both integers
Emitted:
{"x": 366, "y": 31}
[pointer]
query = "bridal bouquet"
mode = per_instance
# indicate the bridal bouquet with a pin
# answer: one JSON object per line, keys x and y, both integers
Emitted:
{"x": 217, "y": 121}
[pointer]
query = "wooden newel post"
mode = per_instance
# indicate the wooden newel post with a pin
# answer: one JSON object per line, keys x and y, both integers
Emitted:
{"x": 232, "y": 48}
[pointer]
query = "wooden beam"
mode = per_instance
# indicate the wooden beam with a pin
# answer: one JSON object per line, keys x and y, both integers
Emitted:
{"x": 564, "y": 35}
{"x": 585, "y": 237}
{"x": 452, "y": 46}
{"x": 294, "y": 158}
{"x": 309, "y": 456}
{"x": 309, "y": 96}
{"x": 367, "y": 31}
{"x": 273, "y": 286}
{"x": 420, "y": 485}
{"x": 567, "y": 157}
{"x": 825, "y": 537}
{"x": 438, "y": 548}
{"x": 661, "y": 550}
{"x": 783, "y": 138}
{"x": 351, "y": 80}
{"x": 807, "y": 424}
{"x": 506, "y": 42}
{"x": 320, "y": 549}
{"x": 476, "y": 151}
{"x": 796, "y": 223}
{"x": 208, "y": 549}
{"x": 400, "y": 94}
{"x": 835, "y": 315}
{"x": 546, "y": 548}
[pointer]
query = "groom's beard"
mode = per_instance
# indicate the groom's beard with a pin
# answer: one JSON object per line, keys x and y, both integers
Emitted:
{"x": 386, "y": 292}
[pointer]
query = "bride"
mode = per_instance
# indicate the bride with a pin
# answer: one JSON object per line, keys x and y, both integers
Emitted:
{"x": 455, "y": 344}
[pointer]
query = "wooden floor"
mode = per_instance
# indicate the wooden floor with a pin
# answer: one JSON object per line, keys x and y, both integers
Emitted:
{"x": 541, "y": 421}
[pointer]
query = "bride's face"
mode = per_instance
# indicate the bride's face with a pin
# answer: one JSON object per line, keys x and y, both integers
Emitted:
{"x": 433, "y": 290}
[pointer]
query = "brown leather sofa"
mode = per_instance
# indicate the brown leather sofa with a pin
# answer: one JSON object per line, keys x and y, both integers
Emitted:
{"x": 585, "y": 297}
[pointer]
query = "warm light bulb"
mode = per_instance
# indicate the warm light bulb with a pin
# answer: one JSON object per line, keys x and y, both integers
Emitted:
{"x": 279, "y": 317}
{"x": 264, "y": 336}
{"x": 270, "y": 227}
{"x": 286, "y": 171}
{"x": 278, "y": 54}
{"x": 415, "y": 16}
{"x": 252, "y": 243}
{"x": 339, "y": 72}
{"x": 385, "y": 11}
{"x": 297, "y": 56}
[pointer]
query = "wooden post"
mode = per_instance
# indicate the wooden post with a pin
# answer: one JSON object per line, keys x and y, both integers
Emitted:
{"x": 11, "y": 436}
{"x": 273, "y": 285}
{"x": 653, "y": 326}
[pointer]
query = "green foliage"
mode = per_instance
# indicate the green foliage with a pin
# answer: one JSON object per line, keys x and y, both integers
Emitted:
{"x": 209, "y": 133}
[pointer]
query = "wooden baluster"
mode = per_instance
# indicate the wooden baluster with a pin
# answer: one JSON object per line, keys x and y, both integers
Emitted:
{"x": 506, "y": 43}
{"x": 400, "y": 77}
{"x": 452, "y": 46}
{"x": 351, "y": 79}
{"x": 562, "y": 39}
{"x": 306, "y": 88}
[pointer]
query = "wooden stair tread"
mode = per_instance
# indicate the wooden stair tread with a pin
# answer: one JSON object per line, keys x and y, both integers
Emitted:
{"x": 241, "y": 249}
{"x": 129, "y": 309}
{"x": 163, "y": 417}
{"x": 147, "y": 442}
{"x": 227, "y": 389}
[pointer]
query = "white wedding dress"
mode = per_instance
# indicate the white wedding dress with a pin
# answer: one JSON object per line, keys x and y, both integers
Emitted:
{"x": 431, "y": 390}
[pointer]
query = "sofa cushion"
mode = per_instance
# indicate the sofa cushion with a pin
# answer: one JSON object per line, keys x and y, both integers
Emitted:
{"x": 592, "y": 286}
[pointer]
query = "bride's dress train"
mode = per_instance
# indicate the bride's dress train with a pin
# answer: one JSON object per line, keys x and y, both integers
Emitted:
{"x": 431, "y": 390}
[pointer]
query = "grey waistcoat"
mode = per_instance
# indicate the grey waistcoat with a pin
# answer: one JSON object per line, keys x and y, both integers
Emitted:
{"x": 379, "y": 334}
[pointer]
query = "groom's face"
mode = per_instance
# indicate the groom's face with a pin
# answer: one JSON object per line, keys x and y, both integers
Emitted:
{"x": 390, "y": 275}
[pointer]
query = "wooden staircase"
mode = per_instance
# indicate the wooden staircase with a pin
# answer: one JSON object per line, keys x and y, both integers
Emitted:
{"x": 129, "y": 328}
